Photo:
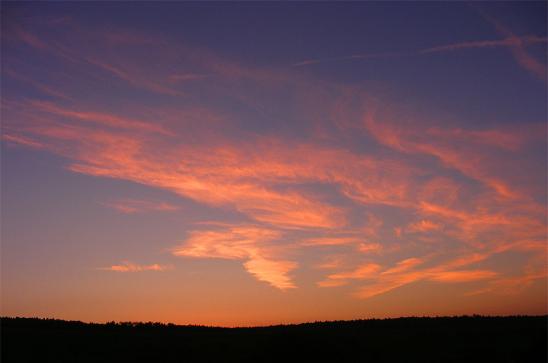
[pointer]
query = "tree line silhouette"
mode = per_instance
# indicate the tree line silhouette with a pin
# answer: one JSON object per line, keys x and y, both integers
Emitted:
{"x": 412, "y": 339}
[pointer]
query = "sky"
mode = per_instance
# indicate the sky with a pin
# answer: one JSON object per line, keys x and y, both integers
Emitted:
{"x": 259, "y": 163}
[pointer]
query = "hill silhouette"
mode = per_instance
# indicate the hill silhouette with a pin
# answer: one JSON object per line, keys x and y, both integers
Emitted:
{"x": 413, "y": 339}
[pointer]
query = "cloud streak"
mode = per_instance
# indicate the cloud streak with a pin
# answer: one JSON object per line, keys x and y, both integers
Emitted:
{"x": 403, "y": 273}
{"x": 371, "y": 195}
{"x": 131, "y": 206}
{"x": 249, "y": 244}
{"x": 127, "y": 266}
{"x": 516, "y": 44}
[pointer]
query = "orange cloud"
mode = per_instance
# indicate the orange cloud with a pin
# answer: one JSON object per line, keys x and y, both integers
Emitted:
{"x": 365, "y": 271}
{"x": 130, "y": 206}
{"x": 332, "y": 283}
{"x": 293, "y": 191}
{"x": 273, "y": 272}
{"x": 330, "y": 241}
{"x": 251, "y": 244}
{"x": 510, "y": 285}
{"x": 390, "y": 282}
{"x": 99, "y": 117}
{"x": 462, "y": 276}
{"x": 370, "y": 247}
{"x": 131, "y": 267}
{"x": 424, "y": 225}
{"x": 245, "y": 176}
{"x": 204, "y": 175}
{"x": 474, "y": 161}
{"x": 467, "y": 259}
{"x": 331, "y": 262}
{"x": 385, "y": 285}
{"x": 404, "y": 265}
{"x": 404, "y": 273}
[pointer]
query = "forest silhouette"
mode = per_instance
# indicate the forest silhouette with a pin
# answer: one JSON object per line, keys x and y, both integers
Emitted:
{"x": 412, "y": 339}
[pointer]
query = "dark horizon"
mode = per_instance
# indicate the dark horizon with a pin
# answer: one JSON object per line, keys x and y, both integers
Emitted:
{"x": 138, "y": 323}
{"x": 457, "y": 339}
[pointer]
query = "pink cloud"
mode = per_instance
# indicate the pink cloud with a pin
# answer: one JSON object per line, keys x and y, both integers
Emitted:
{"x": 273, "y": 272}
{"x": 183, "y": 77}
{"x": 514, "y": 43}
{"x": 517, "y": 47}
{"x": 38, "y": 85}
{"x": 24, "y": 141}
{"x": 390, "y": 282}
{"x": 99, "y": 117}
{"x": 366, "y": 271}
{"x": 422, "y": 226}
{"x": 330, "y": 241}
{"x": 404, "y": 265}
{"x": 136, "y": 79}
{"x": 330, "y": 262}
{"x": 131, "y": 206}
{"x": 127, "y": 266}
{"x": 300, "y": 191}
{"x": 250, "y": 244}
{"x": 406, "y": 272}
{"x": 350, "y": 57}
{"x": 462, "y": 276}
{"x": 506, "y": 42}
{"x": 370, "y": 248}
{"x": 474, "y": 161}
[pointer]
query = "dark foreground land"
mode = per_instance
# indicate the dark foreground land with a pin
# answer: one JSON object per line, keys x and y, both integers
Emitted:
{"x": 456, "y": 339}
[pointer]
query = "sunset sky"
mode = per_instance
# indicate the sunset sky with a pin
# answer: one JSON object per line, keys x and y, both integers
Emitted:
{"x": 260, "y": 163}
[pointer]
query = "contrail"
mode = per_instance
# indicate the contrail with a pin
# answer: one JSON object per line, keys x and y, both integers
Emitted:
{"x": 511, "y": 41}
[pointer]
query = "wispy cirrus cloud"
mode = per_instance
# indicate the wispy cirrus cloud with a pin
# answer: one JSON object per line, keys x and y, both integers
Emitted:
{"x": 20, "y": 140}
{"x": 127, "y": 266}
{"x": 130, "y": 206}
{"x": 516, "y": 44}
{"x": 38, "y": 85}
{"x": 475, "y": 161}
{"x": 184, "y": 77}
{"x": 506, "y": 42}
{"x": 250, "y": 244}
{"x": 338, "y": 187}
{"x": 390, "y": 283}
{"x": 403, "y": 273}
{"x": 98, "y": 117}
{"x": 347, "y": 58}
{"x": 511, "y": 42}
{"x": 424, "y": 225}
